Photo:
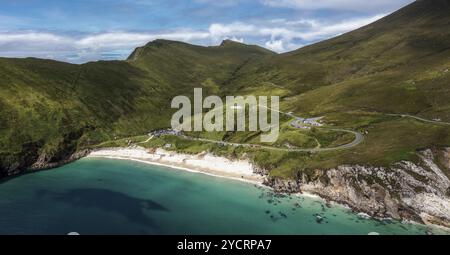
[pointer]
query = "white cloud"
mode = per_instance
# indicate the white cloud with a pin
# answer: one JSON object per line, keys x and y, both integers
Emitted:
{"x": 218, "y": 32}
{"x": 32, "y": 37}
{"x": 124, "y": 39}
{"x": 84, "y": 48}
{"x": 234, "y": 38}
{"x": 279, "y": 35}
{"x": 320, "y": 31}
{"x": 354, "y": 5}
{"x": 276, "y": 45}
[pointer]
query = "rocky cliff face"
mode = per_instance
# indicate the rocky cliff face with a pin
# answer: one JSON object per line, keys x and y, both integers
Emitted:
{"x": 416, "y": 191}
{"x": 41, "y": 162}
{"x": 45, "y": 162}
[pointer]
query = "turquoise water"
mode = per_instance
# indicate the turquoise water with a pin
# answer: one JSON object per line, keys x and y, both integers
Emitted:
{"x": 107, "y": 196}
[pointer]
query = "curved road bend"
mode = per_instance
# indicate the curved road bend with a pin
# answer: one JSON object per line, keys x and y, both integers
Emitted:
{"x": 358, "y": 139}
{"x": 358, "y": 136}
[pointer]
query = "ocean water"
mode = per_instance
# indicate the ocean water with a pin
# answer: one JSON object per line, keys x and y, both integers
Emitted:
{"x": 107, "y": 196}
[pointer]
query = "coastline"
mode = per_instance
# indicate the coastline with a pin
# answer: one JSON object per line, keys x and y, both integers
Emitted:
{"x": 203, "y": 163}
{"x": 149, "y": 184}
{"x": 140, "y": 154}
{"x": 221, "y": 167}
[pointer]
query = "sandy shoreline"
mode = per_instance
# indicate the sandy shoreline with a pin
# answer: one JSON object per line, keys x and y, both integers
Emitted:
{"x": 205, "y": 163}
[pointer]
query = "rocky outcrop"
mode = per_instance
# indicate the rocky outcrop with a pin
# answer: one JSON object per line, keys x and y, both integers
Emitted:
{"x": 40, "y": 162}
{"x": 45, "y": 161}
{"x": 415, "y": 191}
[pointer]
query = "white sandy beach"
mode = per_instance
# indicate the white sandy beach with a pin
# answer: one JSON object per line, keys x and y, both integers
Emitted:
{"x": 205, "y": 163}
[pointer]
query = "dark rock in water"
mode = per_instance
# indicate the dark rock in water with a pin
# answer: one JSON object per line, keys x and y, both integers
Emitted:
{"x": 267, "y": 211}
{"x": 387, "y": 221}
{"x": 273, "y": 218}
{"x": 382, "y": 223}
{"x": 280, "y": 195}
{"x": 282, "y": 214}
{"x": 319, "y": 219}
{"x": 270, "y": 201}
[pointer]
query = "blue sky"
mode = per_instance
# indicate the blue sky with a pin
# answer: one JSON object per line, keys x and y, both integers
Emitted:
{"x": 86, "y": 30}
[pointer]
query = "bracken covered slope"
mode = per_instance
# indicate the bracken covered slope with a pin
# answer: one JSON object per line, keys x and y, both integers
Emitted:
{"x": 53, "y": 109}
{"x": 399, "y": 64}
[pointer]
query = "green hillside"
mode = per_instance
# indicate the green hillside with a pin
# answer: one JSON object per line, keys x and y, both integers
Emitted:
{"x": 397, "y": 65}
{"x": 54, "y": 108}
{"x": 386, "y": 66}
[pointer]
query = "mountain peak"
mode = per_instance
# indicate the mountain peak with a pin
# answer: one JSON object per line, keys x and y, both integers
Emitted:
{"x": 228, "y": 42}
{"x": 155, "y": 44}
{"x": 174, "y": 46}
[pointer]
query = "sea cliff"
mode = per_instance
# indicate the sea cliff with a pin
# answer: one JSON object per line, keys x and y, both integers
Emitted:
{"x": 417, "y": 191}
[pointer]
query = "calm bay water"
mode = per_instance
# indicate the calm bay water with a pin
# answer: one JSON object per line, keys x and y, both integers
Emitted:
{"x": 106, "y": 196}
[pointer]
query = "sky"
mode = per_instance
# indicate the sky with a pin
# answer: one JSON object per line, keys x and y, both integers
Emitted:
{"x": 79, "y": 31}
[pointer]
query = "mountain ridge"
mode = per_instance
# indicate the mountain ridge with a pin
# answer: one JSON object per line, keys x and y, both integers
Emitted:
{"x": 396, "y": 65}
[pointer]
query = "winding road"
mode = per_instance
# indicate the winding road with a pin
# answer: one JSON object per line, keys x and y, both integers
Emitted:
{"x": 358, "y": 139}
{"x": 419, "y": 118}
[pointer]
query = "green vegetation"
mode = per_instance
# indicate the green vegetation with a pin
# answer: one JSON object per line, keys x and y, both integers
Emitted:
{"x": 399, "y": 64}
{"x": 54, "y": 109}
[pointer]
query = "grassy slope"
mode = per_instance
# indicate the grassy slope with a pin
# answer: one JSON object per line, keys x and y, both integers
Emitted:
{"x": 396, "y": 65}
{"x": 399, "y": 64}
{"x": 56, "y": 108}
{"x": 388, "y": 66}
